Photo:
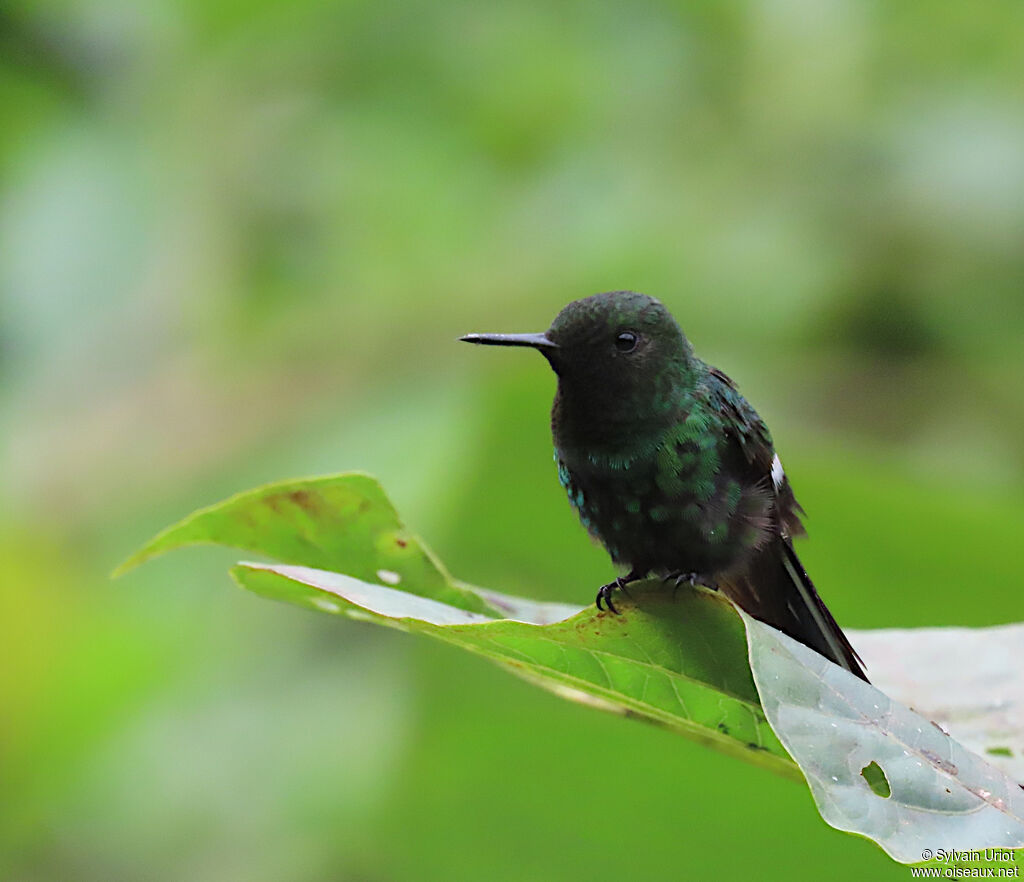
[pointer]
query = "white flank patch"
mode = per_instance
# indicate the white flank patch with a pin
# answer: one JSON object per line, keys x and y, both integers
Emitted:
{"x": 778, "y": 475}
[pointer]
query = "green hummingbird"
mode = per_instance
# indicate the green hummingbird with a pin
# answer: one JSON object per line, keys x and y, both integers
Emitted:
{"x": 670, "y": 468}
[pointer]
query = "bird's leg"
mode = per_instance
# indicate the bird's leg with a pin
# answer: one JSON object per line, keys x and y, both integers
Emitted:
{"x": 693, "y": 579}
{"x": 604, "y": 593}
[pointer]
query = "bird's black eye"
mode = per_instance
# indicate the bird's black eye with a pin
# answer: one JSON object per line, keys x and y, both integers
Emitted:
{"x": 626, "y": 341}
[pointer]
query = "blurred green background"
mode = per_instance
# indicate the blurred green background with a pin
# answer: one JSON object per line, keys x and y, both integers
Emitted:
{"x": 237, "y": 244}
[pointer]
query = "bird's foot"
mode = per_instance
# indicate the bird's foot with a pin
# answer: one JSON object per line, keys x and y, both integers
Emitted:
{"x": 604, "y": 593}
{"x": 692, "y": 579}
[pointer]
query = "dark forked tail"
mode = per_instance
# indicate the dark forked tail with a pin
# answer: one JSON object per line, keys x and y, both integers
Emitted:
{"x": 777, "y": 590}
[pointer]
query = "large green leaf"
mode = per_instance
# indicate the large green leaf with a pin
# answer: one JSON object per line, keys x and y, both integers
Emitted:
{"x": 685, "y": 660}
{"x": 675, "y": 659}
{"x": 680, "y": 662}
{"x": 876, "y": 767}
{"x": 341, "y": 522}
{"x": 968, "y": 680}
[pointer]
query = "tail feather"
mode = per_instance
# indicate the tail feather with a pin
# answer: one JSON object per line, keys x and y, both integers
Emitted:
{"x": 777, "y": 590}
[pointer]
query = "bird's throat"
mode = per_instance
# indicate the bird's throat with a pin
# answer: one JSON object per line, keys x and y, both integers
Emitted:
{"x": 594, "y": 436}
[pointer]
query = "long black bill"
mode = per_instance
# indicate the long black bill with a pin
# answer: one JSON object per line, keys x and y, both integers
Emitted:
{"x": 535, "y": 341}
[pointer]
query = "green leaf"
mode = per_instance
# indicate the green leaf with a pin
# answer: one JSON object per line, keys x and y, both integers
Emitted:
{"x": 339, "y": 522}
{"x": 685, "y": 660}
{"x": 676, "y": 661}
{"x": 968, "y": 680}
{"x": 841, "y": 729}
{"x": 679, "y": 661}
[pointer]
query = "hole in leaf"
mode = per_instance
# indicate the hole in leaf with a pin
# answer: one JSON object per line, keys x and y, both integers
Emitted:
{"x": 999, "y": 751}
{"x": 879, "y": 784}
{"x": 389, "y": 577}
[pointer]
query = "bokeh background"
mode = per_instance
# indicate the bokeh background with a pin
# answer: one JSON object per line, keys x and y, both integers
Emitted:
{"x": 237, "y": 244}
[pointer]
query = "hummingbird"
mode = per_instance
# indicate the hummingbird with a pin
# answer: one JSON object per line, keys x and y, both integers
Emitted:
{"x": 671, "y": 469}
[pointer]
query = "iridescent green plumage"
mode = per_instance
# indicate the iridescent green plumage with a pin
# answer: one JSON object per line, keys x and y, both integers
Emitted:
{"x": 670, "y": 467}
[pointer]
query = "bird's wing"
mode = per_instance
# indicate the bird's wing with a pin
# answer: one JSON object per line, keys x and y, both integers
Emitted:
{"x": 776, "y": 588}
{"x": 745, "y": 429}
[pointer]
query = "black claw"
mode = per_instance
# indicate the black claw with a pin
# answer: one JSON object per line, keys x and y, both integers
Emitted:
{"x": 693, "y": 579}
{"x": 604, "y": 595}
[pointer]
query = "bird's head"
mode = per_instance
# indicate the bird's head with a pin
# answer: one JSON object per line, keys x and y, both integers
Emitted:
{"x": 616, "y": 334}
{"x": 617, "y": 354}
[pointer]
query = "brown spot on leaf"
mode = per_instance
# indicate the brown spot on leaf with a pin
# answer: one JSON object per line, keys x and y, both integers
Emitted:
{"x": 246, "y": 518}
{"x": 936, "y": 760}
{"x": 400, "y": 542}
{"x": 304, "y": 500}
